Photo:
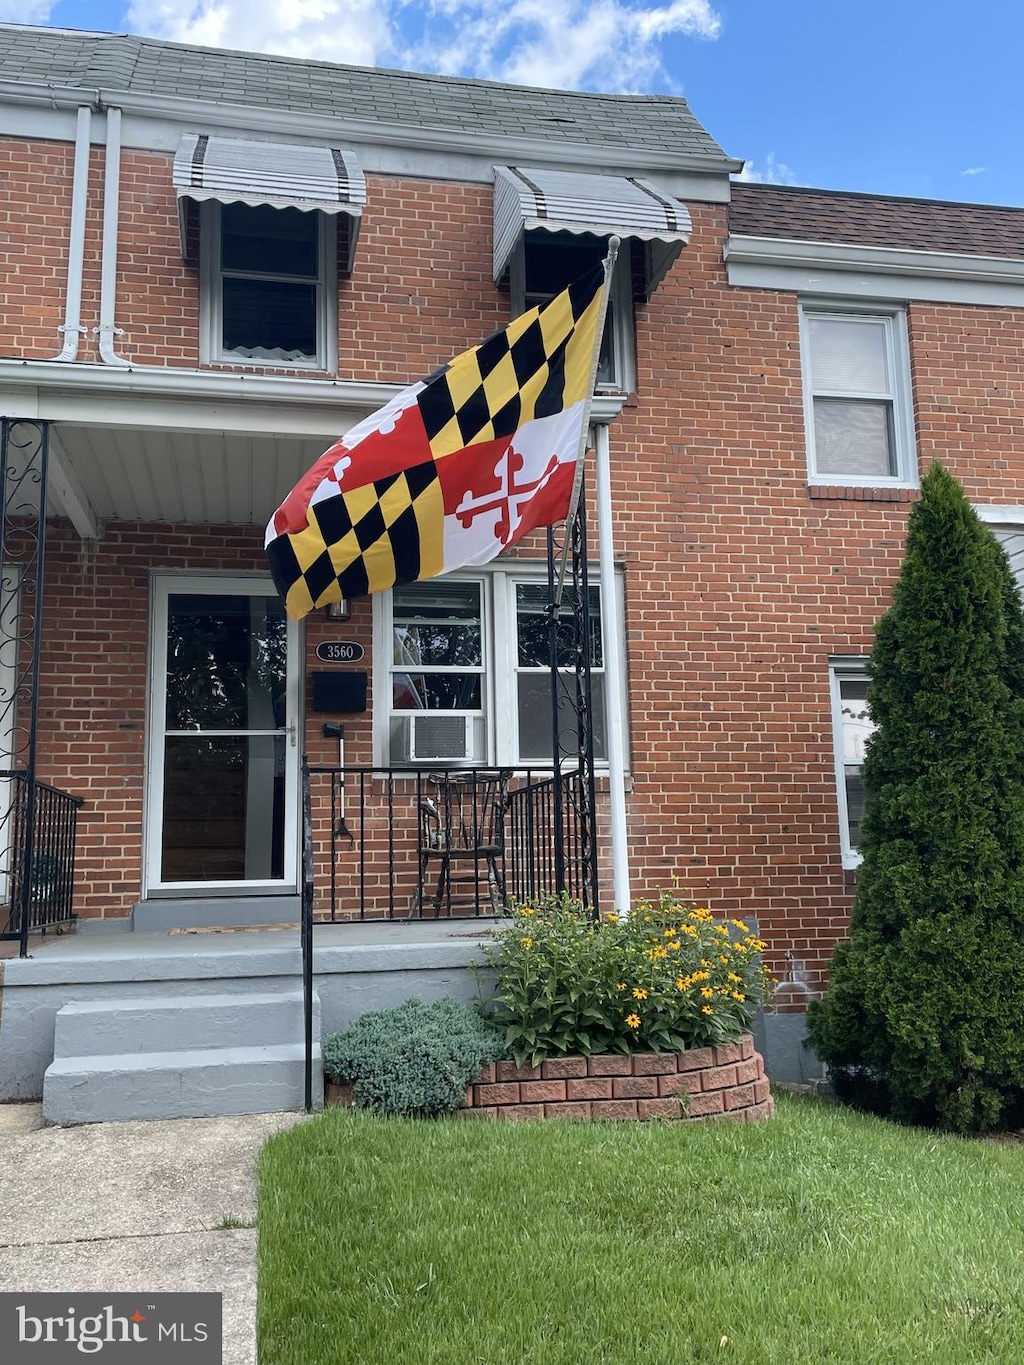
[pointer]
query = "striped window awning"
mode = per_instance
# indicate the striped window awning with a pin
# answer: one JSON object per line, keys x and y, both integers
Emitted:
{"x": 278, "y": 174}
{"x": 527, "y": 199}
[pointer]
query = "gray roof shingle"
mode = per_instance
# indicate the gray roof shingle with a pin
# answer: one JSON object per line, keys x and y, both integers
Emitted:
{"x": 126, "y": 63}
{"x": 875, "y": 220}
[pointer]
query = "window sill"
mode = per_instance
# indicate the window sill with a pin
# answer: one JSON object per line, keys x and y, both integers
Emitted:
{"x": 830, "y": 492}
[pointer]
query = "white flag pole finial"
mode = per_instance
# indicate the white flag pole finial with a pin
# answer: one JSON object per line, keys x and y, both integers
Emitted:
{"x": 609, "y": 265}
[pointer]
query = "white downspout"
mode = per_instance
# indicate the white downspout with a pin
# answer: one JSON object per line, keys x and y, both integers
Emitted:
{"x": 72, "y": 327}
{"x": 614, "y": 672}
{"x": 106, "y": 331}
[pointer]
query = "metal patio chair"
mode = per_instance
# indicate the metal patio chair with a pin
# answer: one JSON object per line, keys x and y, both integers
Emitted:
{"x": 462, "y": 841}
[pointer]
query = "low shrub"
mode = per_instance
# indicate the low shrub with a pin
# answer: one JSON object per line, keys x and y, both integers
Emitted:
{"x": 666, "y": 977}
{"x": 415, "y": 1060}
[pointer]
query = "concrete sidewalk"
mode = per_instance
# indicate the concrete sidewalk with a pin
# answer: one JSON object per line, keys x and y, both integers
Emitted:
{"x": 117, "y": 1207}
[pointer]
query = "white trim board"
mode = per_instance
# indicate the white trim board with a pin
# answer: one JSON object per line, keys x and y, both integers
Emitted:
{"x": 840, "y": 269}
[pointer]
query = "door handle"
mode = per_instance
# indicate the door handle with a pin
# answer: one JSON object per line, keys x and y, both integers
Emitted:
{"x": 292, "y": 730}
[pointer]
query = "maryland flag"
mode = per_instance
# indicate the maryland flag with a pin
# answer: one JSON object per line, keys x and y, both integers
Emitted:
{"x": 454, "y": 469}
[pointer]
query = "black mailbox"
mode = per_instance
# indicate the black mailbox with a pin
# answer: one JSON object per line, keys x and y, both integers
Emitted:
{"x": 339, "y": 691}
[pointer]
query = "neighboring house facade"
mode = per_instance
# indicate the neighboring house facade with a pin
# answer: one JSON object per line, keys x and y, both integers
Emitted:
{"x": 218, "y": 262}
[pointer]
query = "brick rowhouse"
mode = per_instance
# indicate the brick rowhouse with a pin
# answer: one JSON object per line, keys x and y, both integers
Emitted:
{"x": 741, "y": 580}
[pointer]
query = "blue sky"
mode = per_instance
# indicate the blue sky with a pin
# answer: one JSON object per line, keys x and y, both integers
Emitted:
{"x": 887, "y": 96}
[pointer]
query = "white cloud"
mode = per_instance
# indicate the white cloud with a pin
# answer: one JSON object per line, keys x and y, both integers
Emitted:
{"x": 775, "y": 172}
{"x": 604, "y": 44}
{"x": 975, "y": 170}
{"x": 26, "y": 11}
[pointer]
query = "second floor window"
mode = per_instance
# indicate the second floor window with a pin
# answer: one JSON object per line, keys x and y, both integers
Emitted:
{"x": 546, "y": 262}
{"x": 268, "y": 289}
{"x": 857, "y": 397}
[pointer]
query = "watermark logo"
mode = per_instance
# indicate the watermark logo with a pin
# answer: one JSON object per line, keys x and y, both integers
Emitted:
{"x": 52, "y": 1329}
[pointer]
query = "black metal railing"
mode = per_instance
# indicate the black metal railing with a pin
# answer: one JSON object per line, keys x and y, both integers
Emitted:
{"x": 37, "y": 856}
{"x": 412, "y": 843}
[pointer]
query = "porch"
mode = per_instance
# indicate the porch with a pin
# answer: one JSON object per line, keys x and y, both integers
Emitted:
{"x": 357, "y": 966}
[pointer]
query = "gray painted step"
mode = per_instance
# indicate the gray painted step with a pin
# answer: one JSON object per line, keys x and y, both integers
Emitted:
{"x": 203, "y": 911}
{"x": 199, "y": 1083}
{"x": 97, "y": 1028}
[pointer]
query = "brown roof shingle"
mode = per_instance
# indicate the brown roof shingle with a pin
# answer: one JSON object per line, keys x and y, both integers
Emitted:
{"x": 875, "y": 220}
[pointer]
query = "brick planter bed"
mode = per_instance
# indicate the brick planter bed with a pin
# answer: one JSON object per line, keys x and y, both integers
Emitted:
{"x": 725, "y": 1082}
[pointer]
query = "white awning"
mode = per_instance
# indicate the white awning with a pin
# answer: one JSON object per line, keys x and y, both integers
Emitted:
{"x": 278, "y": 174}
{"x": 526, "y": 199}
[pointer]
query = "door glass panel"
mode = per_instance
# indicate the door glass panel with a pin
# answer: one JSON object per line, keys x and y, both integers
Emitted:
{"x": 227, "y": 756}
{"x": 226, "y": 662}
{"x": 224, "y": 803}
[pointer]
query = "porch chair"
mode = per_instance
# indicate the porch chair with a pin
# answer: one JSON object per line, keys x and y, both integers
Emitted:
{"x": 462, "y": 836}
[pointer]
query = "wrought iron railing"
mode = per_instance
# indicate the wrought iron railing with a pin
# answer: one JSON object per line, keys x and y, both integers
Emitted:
{"x": 409, "y": 843}
{"x": 37, "y": 857}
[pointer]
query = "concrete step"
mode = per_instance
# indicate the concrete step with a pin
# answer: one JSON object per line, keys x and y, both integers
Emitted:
{"x": 222, "y": 911}
{"x": 97, "y": 1028}
{"x": 198, "y": 1083}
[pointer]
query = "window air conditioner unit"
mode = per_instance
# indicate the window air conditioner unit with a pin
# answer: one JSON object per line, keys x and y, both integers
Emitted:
{"x": 439, "y": 737}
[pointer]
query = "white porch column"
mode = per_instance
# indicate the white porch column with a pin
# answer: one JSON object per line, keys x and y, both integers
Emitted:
{"x": 614, "y": 672}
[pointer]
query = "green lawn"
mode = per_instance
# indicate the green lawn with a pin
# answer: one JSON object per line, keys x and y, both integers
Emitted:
{"x": 821, "y": 1235}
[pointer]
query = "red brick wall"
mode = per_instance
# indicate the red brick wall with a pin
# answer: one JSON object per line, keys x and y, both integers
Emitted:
{"x": 739, "y": 583}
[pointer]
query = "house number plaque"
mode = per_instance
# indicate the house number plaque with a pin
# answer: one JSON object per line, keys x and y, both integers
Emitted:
{"x": 339, "y": 652}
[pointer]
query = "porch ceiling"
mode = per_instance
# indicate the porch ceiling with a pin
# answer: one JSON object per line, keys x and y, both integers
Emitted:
{"x": 117, "y": 473}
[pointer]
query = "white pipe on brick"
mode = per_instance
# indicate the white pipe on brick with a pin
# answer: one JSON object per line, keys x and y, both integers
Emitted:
{"x": 108, "y": 268}
{"x": 614, "y": 673}
{"x": 72, "y": 327}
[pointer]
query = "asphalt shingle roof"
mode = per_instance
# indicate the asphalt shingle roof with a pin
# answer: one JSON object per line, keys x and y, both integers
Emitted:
{"x": 875, "y": 220}
{"x": 121, "y": 62}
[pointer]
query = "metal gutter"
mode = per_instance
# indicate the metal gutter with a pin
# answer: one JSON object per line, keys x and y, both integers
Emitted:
{"x": 216, "y": 385}
{"x": 810, "y": 255}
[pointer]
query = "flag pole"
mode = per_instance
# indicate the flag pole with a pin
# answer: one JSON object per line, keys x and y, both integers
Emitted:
{"x": 595, "y": 360}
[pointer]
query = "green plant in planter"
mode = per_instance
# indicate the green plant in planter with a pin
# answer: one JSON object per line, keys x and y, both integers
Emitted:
{"x": 668, "y": 976}
{"x": 415, "y": 1060}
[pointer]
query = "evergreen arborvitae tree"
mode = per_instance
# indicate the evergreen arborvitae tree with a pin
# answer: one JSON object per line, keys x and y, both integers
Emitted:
{"x": 925, "y": 1010}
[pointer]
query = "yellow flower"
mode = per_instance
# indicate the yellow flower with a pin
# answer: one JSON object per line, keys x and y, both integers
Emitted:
{"x": 668, "y": 933}
{"x": 706, "y": 992}
{"x": 657, "y": 953}
{"x": 633, "y": 1020}
{"x": 706, "y": 1009}
{"x": 675, "y": 945}
{"x": 639, "y": 993}
{"x": 527, "y": 943}
{"x": 610, "y": 915}
{"x": 737, "y": 996}
{"x": 527, "y": 910}
{"x": 721, "y": 929}
{"x": 681, "y": 983}
{"x": 699, "y": 976}
{"x": 690, "y": 929}
{"x": 733, "y": 977}
{"x": 724, "y": 960}
{"x": 620, "y": 985}
{"x": 741, "y": 926}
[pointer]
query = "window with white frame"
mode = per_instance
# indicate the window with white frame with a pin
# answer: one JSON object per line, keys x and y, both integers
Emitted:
{"x": 268, "y": 285}
{"x": 857, "y": 397}
{"x": 546, "y": 262}
{"x": 468, "y": 680}
{"x": 852, "y": 727}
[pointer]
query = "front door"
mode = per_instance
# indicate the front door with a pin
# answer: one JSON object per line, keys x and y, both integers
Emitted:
{"x": 223, "y": 769}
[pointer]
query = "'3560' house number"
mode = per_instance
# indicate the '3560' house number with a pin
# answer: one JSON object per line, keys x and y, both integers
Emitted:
{"x": 339, "y": 652}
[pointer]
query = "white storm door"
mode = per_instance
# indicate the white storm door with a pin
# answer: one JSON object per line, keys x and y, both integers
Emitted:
{"x": 224, "y": 757}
